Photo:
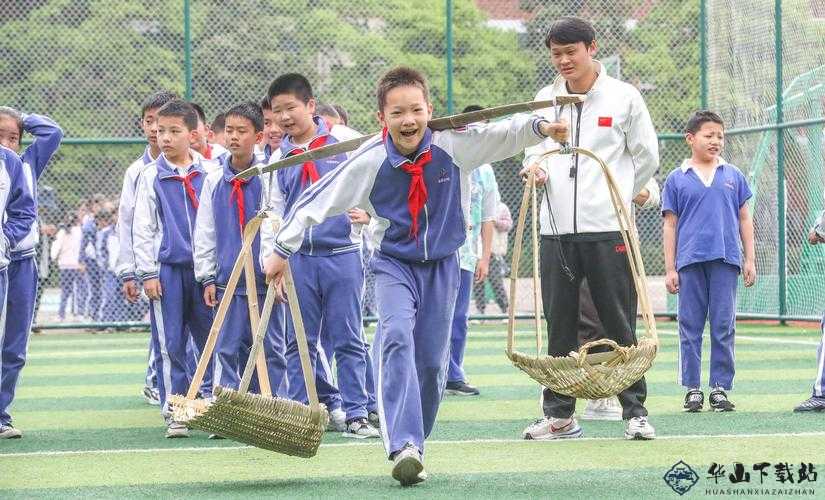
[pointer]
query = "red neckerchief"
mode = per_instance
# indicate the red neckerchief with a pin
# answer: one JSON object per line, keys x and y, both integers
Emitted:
{"x": 208, "y": 153}
{"x": 237, "y": 192}
{"x": 308, "y": 170}
{"x": 417, "y": 194}
{"x": 187, "y": 184}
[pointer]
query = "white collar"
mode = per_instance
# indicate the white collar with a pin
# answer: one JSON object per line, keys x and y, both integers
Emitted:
{"x": 687, "y": 165}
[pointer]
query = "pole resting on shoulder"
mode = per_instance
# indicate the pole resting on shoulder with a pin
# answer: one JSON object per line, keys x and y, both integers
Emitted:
{"x": 445, "y": 123}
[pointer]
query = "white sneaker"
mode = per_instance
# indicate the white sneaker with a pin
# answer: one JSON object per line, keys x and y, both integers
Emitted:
{"x": 639, "y": 428}
{"x": 552, "y": 428}
{"x": 151, "y": 396}
{"x": 360, "y": 428}
{"x": 9, "y": 432}
{"x": 337, "y": 420}
{"x": 176, "y": 430}
{"x": 603, "y": 409}
{"x": 407, "y": 468}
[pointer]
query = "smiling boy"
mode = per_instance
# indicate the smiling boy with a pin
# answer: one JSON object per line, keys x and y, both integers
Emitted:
{"x": 414, "y": 182}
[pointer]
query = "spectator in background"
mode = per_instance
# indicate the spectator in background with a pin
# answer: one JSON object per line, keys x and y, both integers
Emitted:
{"x": 213, "y": 153}
{"x": 270, "y": 148}
{"x": 342, "y": 113}
{"x": 66, "y": 251}
{"x": 216, "y": 131}
{"x": 498, "y": 263}
{"x": 335, "y": 124}
{"x": 88, "y": 257}
{"x": 113, "y": 304}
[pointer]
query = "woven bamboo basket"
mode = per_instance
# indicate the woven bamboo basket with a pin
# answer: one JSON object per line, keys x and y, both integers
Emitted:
{"x": 260, "y": 420}
{"x": 581, "y": 374}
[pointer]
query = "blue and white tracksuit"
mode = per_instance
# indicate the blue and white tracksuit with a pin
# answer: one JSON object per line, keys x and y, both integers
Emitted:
{"x": 125, "y": 267}
{"x": 217, "y": 243}
{"x": 18, "y": 212}
{"x": 417, "y": 279}
{"x": 22, "y": 272}
{"x": 113, "y": 306}
{"x": 162, "y": 241}
{"x": 328, "y": 280}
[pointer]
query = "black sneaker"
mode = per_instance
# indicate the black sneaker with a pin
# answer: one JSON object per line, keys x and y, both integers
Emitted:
{"x": 813, "y": 403}
{"x": 461, "y": 389}
{"x": 374, "y": 419}
{"x": 694, "y": 400}
{"x": 719, "y": 401}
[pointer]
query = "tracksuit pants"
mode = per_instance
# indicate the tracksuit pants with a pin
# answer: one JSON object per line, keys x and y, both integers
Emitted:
{"x": 71, "y": 286}
{"x": 329, "y": 293}
{"x": 458, "y": 335}
{"x": 179, "y": 313}
{"x": 326, "y": 345}
{"x": 416, "y": 301}
{"x": 601, "y": 259}
{"x": 707, "y": 289}
{"x": 235, "y": 342}
{"x": 18, "y": 292}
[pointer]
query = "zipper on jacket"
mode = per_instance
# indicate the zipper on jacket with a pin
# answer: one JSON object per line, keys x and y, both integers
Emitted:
{"x": 575, "y": 169}
{"x": 426, "y": 230}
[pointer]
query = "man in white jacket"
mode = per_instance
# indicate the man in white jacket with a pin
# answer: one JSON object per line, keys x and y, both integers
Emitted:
{"x": 580, "y": 231}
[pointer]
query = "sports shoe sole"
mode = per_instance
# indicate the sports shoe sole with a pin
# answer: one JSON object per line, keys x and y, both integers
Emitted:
{"x": 453, "y": 392}
{"x": 638, "y": 436}
{"x": 692, "y": 410}
{"x": 722, "y": 410}
{"x": 11, "y": 435}
{"x": 177, "y": 434}
{"x": 407, "y": 471}
{"x": 550, "y": 437}
{"x": 353, "y": 435}
{"x": 809, "y": 410}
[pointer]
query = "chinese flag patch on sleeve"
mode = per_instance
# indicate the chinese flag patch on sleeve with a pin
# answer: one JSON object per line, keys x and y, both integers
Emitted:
{"x": 605, "y": 121}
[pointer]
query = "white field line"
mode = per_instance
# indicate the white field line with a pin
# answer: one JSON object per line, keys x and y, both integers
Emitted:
{"x": 376, "y": 444}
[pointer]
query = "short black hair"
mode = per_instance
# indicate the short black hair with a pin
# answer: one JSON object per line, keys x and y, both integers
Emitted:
{"x": 291, "y": 83}
{"x": 472, "y": 107}
{"x": 251, "y": 111}
{"x": 342, "y": 113}
{"x": 401, "y": 76}
{"x": 323, "y": 109}
{"x": 156, "y": 101}
{"x": 701, "y": 117}
{"x": 266, "y": 103}
{"x": 181, "y": 109}
{"x": 16, "y": 116}
{"x": 219, "y": 121}
{"x": 199, "y": 110}
{"x": 570, "y": 29}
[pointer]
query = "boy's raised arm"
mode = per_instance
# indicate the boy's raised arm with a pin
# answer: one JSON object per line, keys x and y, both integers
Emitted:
{"x": 347, "y": 186}
{"x": 477, "y": 145}
{"x": 47, "y": 136}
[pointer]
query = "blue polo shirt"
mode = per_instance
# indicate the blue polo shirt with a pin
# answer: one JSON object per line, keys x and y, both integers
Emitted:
{"x": 708, "y": 227}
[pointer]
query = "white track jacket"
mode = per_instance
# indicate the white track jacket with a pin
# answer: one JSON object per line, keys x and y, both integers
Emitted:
{"x": 615, "y": 125}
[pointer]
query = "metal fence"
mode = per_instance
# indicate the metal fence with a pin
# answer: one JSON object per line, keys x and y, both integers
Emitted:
{"x": 760, "y": 63}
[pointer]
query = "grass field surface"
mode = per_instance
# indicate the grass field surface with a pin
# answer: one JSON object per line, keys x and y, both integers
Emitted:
{"x": 88, "y": 433}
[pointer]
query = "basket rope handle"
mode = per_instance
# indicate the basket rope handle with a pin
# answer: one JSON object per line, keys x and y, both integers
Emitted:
{"x": 629, "y": 236}
{"x": 234, "y": 276}
{"x": 516, "y": 259}
{"x": 535, "y": 241}
{"x": 254, "y": 320}
{"x": 583, "y": 350}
